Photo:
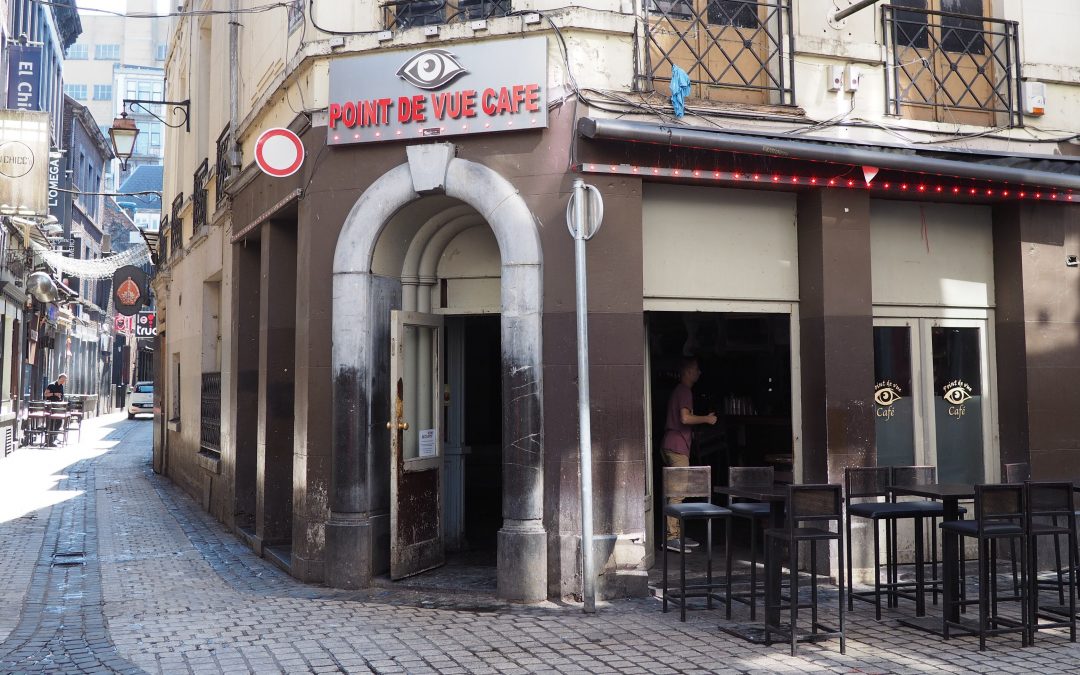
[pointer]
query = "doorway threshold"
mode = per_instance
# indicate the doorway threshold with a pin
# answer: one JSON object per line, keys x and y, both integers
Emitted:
{"x": 471, "y": 572}
{"x": 280, "y": 555}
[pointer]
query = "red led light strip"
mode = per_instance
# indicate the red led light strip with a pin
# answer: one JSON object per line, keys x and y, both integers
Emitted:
{"x": 777, "y": 179}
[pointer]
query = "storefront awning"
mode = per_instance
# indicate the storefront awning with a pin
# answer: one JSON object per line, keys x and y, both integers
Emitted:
{"x": 1058, "y": 172}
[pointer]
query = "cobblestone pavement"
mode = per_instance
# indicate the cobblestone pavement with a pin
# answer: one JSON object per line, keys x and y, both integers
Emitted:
{"x": 107, "y": 567}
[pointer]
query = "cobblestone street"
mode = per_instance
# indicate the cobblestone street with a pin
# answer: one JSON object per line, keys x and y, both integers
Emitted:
{"x": 109, "y": 568}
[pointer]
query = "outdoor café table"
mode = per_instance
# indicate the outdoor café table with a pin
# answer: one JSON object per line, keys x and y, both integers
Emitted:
{"x": 776, "y": 496}
{"x": 949, "y": 494}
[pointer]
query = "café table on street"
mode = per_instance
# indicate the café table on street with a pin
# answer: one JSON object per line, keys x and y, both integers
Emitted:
{"x": 949, "y": 494}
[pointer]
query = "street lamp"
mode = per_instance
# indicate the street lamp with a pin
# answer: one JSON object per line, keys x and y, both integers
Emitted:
{"x": 123, "y": 133}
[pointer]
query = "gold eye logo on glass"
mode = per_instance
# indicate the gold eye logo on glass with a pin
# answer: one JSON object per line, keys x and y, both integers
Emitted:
{"x": 956, "y": 393}
{"x": 886, "y": 393}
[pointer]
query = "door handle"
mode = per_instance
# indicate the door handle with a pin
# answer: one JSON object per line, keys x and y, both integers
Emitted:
{"x": 402, "y": 426}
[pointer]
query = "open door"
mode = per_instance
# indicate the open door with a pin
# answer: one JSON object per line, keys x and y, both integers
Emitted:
{"x": 416, "y": 532}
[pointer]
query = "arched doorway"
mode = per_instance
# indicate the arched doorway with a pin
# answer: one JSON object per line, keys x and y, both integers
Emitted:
{"x": 386, "y": 262}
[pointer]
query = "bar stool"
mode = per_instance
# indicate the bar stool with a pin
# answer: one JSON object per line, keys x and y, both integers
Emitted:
{"x": 872, "y": 483}
{"x": 1017, "y": 473}
{"x": 821, "y": 505}
{"x": 693, "y": 482}
{"x": 56, "y": 421}
{"x": 76, "y": 413}
{"x": 999, "y": 514}
{"x": 1048, "y": 504}
{"x": 37, "y": 414}
{"x": 754, "y": 512}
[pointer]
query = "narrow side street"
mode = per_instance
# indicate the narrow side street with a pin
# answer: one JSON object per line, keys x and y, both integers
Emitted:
{"x": 108, "y": 568}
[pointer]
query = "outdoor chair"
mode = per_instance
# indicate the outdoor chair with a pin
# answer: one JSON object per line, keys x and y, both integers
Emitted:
{"x": 76, "y": 413}
{"x": 812, "y": 511}
{"x": 999, "y": 515}
{"x": 754, "y": 513}
{"x": 1051, "y": 512}
{"x": 37, "y": 414}
{"x": 862, "y": 483}
{"x": 56, "y": 420}
{"x": 693, "y": 482}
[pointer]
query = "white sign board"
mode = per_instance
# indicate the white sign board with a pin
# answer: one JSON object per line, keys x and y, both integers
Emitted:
{"x": 427, "y": 443}
{"x": 24, "y": 163}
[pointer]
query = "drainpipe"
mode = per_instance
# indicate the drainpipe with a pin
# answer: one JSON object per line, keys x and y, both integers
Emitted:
{"x": 234, "y": 80}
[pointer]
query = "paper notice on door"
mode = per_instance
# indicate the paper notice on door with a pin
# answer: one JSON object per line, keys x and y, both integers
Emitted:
{"x": 427, "y": 443}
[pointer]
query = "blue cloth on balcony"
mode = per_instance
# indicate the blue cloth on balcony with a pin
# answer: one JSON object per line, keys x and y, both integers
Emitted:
{"x": 680, "y": 89}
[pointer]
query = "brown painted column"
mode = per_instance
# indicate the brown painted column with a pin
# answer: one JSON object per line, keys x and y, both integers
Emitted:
{"x": 277, "y": 356}
{"x": 243, "y": 399}
{"x": 836, "y": 333}
{"x": 1037, "y": 330}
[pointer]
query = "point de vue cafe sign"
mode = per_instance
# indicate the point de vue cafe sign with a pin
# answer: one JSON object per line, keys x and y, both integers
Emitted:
{"x": 474, "y": 88}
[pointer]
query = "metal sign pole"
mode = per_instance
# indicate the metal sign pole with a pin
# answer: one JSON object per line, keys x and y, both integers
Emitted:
{"x": 580, "y": 220}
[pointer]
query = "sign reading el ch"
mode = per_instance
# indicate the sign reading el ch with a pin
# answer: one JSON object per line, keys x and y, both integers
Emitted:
{"x": 496, "y": 85}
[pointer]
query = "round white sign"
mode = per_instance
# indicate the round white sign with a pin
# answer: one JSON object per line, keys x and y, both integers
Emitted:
{"x": 16, "y": 159}
{"x": 279, "y": 152}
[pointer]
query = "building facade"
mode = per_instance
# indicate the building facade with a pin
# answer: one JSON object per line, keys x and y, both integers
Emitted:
{"x": 118, "y": 58}
{"x": 862, "y": 229}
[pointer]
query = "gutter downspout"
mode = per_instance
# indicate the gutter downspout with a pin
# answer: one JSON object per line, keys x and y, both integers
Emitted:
{"x": 234, "y": 80}
{"x": 623, "y": 130}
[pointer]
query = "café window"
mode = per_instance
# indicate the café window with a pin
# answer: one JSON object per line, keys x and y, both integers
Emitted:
{"x": 733, "y": 50}
{"x": 950, "y": 61}
{"x": 398, "y": 14}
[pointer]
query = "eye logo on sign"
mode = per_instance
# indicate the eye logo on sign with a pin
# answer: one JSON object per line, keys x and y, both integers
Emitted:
{"x": 886, "y": 393}
{"x": 955, "y": 394}
{"x": 431, "y": 69}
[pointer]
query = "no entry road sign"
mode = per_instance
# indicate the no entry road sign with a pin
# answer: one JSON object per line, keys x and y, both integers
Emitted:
{"x": 279, "y": 152}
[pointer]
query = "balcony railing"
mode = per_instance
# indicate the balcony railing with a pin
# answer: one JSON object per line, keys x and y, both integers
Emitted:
{"x": 950, "y": 67}
{"x": 222, "y": 165}
{"x": 398, "y": 14}
{"x": 737, "y": 51}
{"x": 176, "y": 230}
{"x": 199, "y": 196}
{"x": 163, "y": 241}
{"x": 210, "y": 413}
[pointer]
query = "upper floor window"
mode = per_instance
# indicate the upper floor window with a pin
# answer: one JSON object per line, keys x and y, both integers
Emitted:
{"x": 733, "y": 50}
{"x": 107, "y": 52}
{"x": 410, "y": 13}
{"x": 76, "y": 91}
{"x": 102, "y": 92}
{"x": 78, "y": 51}
{"x": 296, "y": 14}
{"x": 949, "y": 61}
{"x": 160, "y": 51}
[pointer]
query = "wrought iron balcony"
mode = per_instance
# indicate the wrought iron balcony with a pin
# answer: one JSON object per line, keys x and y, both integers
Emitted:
{"x": 210, "y": 414}
{"x": 163, "y": 241}
{"x": 736, "y": 51}
{"x": 199, "y": 196}
{"x": 952, "y": 67}
{"x": 222, "y": 165}
{"x": 398, "y": 14}
{"x": 176, "y": 231}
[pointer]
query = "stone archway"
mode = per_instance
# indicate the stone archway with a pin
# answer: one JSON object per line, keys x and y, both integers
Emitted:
{"x": 362, "y": 301}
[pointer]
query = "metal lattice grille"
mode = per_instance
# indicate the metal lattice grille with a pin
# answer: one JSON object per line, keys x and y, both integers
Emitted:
{"x": 176, "y": 234}
{"x": 399, "y": 14}
{"x": 733, "y": 50}
{"x": 210, "y": 413}
{"x": 198, "y": 196}
{"x": 222, "y": 166}
{"x": 952, "y": 67}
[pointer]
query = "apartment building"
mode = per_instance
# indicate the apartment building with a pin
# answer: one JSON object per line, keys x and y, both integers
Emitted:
{"x": 117, "y": 58}
{"x": 862, "y": 228}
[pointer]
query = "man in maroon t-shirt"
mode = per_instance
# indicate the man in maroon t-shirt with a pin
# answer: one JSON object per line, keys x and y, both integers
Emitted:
{"x": 676, "y": 444}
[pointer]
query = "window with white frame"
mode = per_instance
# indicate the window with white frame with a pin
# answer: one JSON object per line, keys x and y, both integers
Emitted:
{"x": 78, "y": 52}
{"x": 107, "y": 52}
{"x": 102, "y": 92}
{"x": 76, "y": 91}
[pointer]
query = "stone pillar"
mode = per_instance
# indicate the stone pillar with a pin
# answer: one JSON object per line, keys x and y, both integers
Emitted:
{"x": 243, "y": 397}
{"x": 522, "y": 540}
{"x": 836, "y": 333}
{"x": 277, "y": 355}
{"x": 1037, "y": 321}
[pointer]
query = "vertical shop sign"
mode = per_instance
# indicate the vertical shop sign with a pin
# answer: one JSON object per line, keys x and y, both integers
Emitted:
{"x": 24, "y": 77}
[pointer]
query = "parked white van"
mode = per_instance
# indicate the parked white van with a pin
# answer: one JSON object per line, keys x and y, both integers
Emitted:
{"x": 140, "y": 399}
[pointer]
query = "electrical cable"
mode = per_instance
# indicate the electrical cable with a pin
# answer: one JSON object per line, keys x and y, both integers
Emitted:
{"x": 148, "y": 15}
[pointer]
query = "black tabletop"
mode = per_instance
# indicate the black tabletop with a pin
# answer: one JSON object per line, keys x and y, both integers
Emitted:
{"x": 760, "y": 493}
{"x": 936, "y": 490}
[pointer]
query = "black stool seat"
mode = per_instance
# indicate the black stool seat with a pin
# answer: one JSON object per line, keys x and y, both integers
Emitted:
{"x": 970, "y": 528}
{"x": 696, "y": 510}
{"x": 752, "y": 509}
{"x": 879, "y": 510}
